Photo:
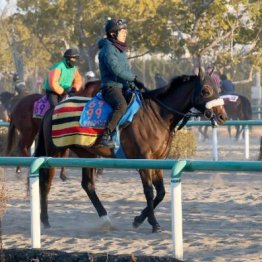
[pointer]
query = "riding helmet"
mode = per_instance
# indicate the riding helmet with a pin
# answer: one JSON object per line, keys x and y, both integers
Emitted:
{"x": 114, "y": 25}
{"x": 71, "y": 52}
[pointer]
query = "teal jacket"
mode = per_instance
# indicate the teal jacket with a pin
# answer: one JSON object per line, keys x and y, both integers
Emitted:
{"x": 113, "y": 65}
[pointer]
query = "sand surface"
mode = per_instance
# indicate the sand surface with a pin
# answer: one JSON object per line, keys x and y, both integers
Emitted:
{"x": 222, "y": 211}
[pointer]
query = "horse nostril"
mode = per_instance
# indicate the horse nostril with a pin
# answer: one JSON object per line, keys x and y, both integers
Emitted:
{"x": 222, "y": 118}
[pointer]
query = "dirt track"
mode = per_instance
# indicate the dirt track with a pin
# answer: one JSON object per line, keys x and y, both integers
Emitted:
{"x": 221, "y": 214}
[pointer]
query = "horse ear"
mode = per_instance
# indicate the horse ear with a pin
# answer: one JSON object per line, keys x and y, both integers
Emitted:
{"x": 201, "y": 73}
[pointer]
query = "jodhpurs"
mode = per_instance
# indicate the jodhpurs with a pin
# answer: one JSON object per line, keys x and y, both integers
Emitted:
{"x": 53, "y": 98}
{"x": 115, "y": 98}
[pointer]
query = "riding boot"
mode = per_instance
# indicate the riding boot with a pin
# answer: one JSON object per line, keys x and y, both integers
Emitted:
{"x": 106, "y": 139}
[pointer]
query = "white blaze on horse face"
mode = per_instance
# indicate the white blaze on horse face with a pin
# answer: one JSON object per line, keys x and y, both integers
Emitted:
{"x": 215, "y": 102}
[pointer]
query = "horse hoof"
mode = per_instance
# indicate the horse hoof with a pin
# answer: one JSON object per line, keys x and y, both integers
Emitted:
{"x": 64, "y": 178}
{"x": 136, "y": 223}
{"x": 46, "y": 225}
{"x": 156, "y": 229}
{"x": 106, "y": 223}
{"x": 99, "y": 172}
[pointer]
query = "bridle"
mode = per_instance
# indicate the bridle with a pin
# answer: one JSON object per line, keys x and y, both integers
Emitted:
{"x": 208, "y": 113}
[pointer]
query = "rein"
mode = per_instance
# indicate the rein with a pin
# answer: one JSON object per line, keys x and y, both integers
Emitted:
{"x": 188, "y": 115}
{"x": 170, "y": 109}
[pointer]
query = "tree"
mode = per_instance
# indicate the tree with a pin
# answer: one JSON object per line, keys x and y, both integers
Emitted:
{"x": 197, "y": 32}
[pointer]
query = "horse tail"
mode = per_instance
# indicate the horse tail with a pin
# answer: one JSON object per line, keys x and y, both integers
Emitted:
{"x": 247, "y": 109}
{"x": 40, "y": 145}
{"x": 11, "y": 138}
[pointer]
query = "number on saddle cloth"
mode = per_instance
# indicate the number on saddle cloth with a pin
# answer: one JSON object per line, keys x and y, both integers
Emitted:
{"x": 40, "y": 107}
{"x": 96, "y": 112}
{"x": 231, "y": 98}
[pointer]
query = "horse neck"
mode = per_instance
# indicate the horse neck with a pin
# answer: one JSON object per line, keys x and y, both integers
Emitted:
{"x": 174, "y": 105}
{"x": 90, "y": 89}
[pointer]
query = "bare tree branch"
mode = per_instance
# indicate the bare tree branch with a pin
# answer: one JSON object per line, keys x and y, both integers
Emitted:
{"x": 139, "y": 55}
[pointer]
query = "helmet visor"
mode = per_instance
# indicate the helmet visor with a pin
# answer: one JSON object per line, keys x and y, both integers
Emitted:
{"x": 121, "y": 24}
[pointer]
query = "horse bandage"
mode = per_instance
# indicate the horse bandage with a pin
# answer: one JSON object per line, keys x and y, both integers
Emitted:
{"x": 215, "y": 102}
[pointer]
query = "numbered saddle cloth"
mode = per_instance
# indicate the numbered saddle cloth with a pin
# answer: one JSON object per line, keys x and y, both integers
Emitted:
{"x": 40, "y": 107}
{"x": 231, "y": 98}
{"x": 96, "y": 112}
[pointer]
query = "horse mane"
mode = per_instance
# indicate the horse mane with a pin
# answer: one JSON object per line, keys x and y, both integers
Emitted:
{"x": 91, "y": 82}
{"x": 173, "y": 83}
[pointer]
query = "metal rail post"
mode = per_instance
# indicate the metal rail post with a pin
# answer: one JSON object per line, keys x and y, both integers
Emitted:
{"x": 35, "y": 202}
{"x": 246, "y": 134}
{"x": 214, "y": 141}
{"x": 176, "y": 209}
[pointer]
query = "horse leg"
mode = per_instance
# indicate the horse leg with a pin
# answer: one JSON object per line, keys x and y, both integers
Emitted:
{"x": 63, "y": 176}
{"x": 152, "y": 203}
{"x": 238, "y": 132}
{"x": 204, "y": 133}
{"x": 88, "y": 184}
{"x": 260, "y": 151}
{"x": 25, "y": 142}
{"x": 229, "y": 131}
{"x": 99, "y": 171}
{"x": 45, "y": 181}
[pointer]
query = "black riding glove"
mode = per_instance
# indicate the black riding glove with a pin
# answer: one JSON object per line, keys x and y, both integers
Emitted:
{"x": 72, "y": 92}
{"x": 138, "y": 84}
{"x": 132, "y": 85}
{"x": 65, "y": 93}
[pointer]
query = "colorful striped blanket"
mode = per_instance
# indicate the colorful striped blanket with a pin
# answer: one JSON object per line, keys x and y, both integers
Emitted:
{"x": 66, "y": 129}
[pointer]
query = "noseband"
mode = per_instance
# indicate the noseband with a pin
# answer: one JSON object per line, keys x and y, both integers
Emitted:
{"x": 209, "y": 113}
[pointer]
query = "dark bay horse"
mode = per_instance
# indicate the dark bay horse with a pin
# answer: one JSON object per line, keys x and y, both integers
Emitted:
{"x": 237, "y": 109}
{"x": 22, "y": 120}
{"x": 147, "y": 137}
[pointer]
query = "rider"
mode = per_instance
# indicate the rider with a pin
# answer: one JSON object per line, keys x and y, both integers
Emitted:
{"x": 63, "y": 77}
{"x": 227, "y": 87}
{"x": 19, "y": 85}
{"x": 215, "y": 76}
{"x": 116, "y": 75}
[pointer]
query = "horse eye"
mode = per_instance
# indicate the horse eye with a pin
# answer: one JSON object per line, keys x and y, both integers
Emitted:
{"x": 206, "y": 91}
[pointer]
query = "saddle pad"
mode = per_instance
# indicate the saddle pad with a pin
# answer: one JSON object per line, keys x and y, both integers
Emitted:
{"x": 231, "y": 98}
{"x": 95, "y": 113}
{"x": 40, "y": 107}
{"x": 66, "y": 129}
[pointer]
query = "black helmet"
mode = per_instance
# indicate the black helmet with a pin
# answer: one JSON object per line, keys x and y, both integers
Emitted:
{"x": 114, "y": 25}
{"x": 16, "y": 77}
{"x": 71, "y": 52}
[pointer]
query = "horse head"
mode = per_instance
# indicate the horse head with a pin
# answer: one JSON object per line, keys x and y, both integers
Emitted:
{"x": 207, "y": 101}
